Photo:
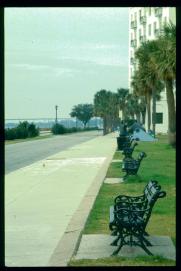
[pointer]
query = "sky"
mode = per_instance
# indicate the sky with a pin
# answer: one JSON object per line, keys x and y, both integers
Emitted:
{"x": 62, "y": 56}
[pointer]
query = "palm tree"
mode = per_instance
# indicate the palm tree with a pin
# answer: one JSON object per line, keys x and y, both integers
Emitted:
{"x": 142, "y": 88}
{"x": 142, "y": 106}
{"x": 114, "y": 110}
{"x": 102, "y": 108}
{"x": 122, "y": 96}
{"x": 164, "y": 59}
{"x": 149, "y": 72}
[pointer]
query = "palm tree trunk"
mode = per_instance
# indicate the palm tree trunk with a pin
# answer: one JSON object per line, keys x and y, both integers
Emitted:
{"x": 148, "y": 98}
{"x": 123, "y": 114}
{"x": 143, "y": 113}
{"x": 153, "y": 111}
{"x": 171, "y": 112}
{"x": 138, "y": 117}
{"x": 104, "y": 125}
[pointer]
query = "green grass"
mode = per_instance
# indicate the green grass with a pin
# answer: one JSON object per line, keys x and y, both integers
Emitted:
{"x": 7, "y": 142}
{"x": 117, "y": 261}
{"x": 159, "y": 165}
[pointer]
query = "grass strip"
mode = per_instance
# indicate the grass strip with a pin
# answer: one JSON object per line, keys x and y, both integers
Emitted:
{"x": 159, "y": 165}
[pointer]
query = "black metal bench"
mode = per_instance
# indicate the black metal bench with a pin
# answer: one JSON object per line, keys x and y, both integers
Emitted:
{"x": 127, "y": 144}
{"x": 123, "y": 141}
{"x": 136, "y": 201}
{"x": 130, "y": 215}
{"x": 131, "y": 165}
{"x": 127, "y": 151}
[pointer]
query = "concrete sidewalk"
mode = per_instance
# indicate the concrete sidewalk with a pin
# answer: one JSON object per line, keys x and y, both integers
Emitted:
{"x": 47, "y": 203}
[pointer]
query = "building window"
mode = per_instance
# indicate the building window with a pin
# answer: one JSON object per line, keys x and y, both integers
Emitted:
{"x": 159, "y": 118}
{"x": 154, "y": 26}
{"x": 140, "y": 13}
{"x": 149, "y": 29}
{"x": 165, "y": 20}
{"x": 149, "y": 11}
{"x": 135, "y": 16}
{"x": 139, "y": 33}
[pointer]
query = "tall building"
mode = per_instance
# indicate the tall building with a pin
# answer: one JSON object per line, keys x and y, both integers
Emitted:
{"x": 145, "y": 23}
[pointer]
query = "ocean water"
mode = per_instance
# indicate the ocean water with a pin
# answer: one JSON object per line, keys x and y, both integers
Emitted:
{"x": 48, "y": 123}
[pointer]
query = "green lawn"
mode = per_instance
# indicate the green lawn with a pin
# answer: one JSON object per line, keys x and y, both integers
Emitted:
{"x": 159, "y": 165}
{"x": 7, "y": 142}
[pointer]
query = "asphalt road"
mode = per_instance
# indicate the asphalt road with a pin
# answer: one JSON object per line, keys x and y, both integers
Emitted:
{"x": 25, "y": 153}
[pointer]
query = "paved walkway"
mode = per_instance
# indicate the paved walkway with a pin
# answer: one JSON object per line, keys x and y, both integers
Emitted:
{"x": 43, "y": 200}
{"x": 96, "y": 246}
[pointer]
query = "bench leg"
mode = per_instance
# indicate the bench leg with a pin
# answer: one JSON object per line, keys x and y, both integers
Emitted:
{"x": 118, "y": 249}
{"x": 125, "y": 176}
{"x": 147, "y": 242}
{"x": 115, "y": 242}
{"x": 144, "y": 247}
{"x": 114, "y": 233}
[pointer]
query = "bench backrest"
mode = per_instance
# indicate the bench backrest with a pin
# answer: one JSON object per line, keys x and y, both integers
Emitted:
{"x": 141, "y": 156}
{"x": 129, "y": 150}
{"x": 148, "y": 186}
{"x": 152, "y": 193}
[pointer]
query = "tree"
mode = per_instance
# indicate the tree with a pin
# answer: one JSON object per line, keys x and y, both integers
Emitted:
{"x": 122, "y": 96}
{"x": 113, "y": 111}
{"x": 149, "y": 76}
{"x": 101, "y": 107}
{"x": 164, "y": 59}
{"x": 157, "y": 60}
{"x": 106, "y": 106}
{"x": 83, "y": 112}
{"x": 141, "y": 88}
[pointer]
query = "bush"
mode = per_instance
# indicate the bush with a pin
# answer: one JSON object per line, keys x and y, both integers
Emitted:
{"x": 23, "y": 130}
{"x": 58, "y": 129}
{"x": 10, "y": 134}
{"x": 33, "y": 131}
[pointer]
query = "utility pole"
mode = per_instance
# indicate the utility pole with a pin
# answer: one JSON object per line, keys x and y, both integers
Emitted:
{"x": 56, "y": 107}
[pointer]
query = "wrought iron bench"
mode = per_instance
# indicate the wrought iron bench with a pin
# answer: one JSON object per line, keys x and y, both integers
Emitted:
{"x": 130, "y": 215}
{"x": 131, "y": 165}
{"x": 136, "y": 201}
{"x": 127, "y": 144}
{"x": 127, "y": 151}
{"x": 124, "y": 141}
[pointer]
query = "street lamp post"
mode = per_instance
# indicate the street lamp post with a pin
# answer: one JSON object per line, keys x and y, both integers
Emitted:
{"x": 56, "y": 107}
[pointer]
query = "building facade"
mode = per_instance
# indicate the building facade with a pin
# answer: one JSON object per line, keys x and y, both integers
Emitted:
{"x": 145, "y": 23}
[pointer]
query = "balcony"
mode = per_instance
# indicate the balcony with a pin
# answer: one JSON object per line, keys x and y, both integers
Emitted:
{"x": 133, "y": 43}
{"x": 143, "y": 19}
{"x": 142, "y": 38}
{"x": 158, "y": 12}
{"x": 133, "y": 25}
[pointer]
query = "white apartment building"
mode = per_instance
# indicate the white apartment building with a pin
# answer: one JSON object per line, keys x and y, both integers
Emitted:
{"x": 145, "y": 23}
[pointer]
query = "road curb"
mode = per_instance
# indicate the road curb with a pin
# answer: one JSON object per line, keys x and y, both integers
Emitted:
{"x": 70, "y": 240}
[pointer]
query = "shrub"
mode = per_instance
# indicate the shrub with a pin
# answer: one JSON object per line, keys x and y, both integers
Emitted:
{"x": 23, "y": 130}
{"x": 10, "y": 134}
{"x": 32, "y": 130}
{"x": 58, "y": 129}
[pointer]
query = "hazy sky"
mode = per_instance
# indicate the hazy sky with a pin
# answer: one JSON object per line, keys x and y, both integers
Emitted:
{"x": 62, "y": 56}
